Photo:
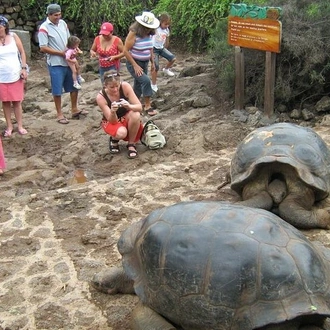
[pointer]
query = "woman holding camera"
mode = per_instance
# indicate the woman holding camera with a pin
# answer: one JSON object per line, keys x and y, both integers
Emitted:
{"x": 121, "y": 110}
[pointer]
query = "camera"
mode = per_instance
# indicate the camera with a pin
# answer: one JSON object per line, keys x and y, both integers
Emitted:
{"x": 118, "y": 104}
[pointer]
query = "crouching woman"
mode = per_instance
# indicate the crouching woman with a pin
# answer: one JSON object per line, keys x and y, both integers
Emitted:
{"x": 121, "y": 110}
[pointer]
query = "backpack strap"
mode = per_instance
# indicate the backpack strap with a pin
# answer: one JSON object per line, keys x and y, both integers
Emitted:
{"x": 121, "y": 92}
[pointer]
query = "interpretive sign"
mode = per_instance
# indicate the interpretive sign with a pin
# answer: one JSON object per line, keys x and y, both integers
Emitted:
{"x": 259, "y": 28}
{"x": 255, "y": 27}
{"x": 262, "y": 34}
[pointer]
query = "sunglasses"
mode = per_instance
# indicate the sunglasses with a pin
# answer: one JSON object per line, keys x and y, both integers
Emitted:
{"x": 111, "y": 75}
{"x": 3, "y": 20}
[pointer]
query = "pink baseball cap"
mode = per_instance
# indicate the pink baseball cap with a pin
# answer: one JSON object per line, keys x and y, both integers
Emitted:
{"x": 106, "y": 28}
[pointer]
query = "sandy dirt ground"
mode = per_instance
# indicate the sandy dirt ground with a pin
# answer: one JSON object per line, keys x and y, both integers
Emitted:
{"x": 65, "y": 199}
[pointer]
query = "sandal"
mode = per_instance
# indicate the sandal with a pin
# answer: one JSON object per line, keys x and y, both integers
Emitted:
{"x": 63, "y": 121}
{"x": 131, "y": 153}
{"x": 151, "y": 112}
{"x": 113, "y": 146}
{"x": 77, "y": 114}
{"x": 22, "y": 131}
{"x": 7, "y": 132}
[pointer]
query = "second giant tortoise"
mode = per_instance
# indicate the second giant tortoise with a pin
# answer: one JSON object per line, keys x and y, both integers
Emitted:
{"x": 218, "y": 266}
{"x": 284, "y": 168}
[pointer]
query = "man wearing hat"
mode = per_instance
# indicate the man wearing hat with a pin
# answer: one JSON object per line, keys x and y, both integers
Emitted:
{"x": 53, "y": 36}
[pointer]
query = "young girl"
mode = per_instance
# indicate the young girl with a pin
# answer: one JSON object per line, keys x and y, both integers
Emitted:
{"x": 160, "y": 44}
{"x": 71, "y": 58}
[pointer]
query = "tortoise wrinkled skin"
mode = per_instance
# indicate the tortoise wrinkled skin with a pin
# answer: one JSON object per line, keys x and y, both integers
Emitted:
{"x": 218, "y": 266}
{"x": 293, "y": 155}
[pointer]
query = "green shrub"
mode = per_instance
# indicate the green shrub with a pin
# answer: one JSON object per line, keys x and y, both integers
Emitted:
{"x": 193, "y": 21}
{"x": 88, "y": 15}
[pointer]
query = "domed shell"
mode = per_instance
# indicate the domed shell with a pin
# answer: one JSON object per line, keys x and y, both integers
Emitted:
{"x": 213, "y": 265}
{"x": 300, "y": 147}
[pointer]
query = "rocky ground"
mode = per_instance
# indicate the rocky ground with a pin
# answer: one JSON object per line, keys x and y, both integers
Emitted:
{"x": 65, "y": 199}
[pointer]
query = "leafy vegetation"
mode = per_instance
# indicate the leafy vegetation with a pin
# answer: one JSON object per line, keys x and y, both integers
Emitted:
{"x": 88, "y": 15}
{"x": 193, "y": 21}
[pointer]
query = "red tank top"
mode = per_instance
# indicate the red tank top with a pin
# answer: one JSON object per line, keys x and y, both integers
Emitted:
{"x": 105, "y": 54}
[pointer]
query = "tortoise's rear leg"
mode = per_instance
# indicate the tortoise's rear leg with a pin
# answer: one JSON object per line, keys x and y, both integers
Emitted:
{"x": 144, "y": 318}
{"x": 300, "y": 214}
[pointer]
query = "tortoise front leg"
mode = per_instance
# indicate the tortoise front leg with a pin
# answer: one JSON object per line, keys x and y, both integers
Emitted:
{"x": 254, "y": 194}
{"x": 262, "y": 200}
{"x": 112, "y": 280}
{"x": 144, "y": 318}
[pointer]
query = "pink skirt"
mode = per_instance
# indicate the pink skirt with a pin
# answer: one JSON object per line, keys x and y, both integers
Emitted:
{"x": 2, "y": 157}
{"x": 12, "y": 91}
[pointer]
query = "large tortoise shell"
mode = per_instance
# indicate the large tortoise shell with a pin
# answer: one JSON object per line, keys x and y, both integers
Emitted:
{"x": 300, "y": 147}
{"x": 214, "y": 265}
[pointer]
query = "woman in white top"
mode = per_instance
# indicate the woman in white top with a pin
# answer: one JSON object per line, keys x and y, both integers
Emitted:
{"x": 12, "y": 76}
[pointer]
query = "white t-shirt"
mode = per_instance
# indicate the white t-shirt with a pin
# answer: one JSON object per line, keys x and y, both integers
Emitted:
{"x": 10, "y": 66}
{"x": 159, "y": 38}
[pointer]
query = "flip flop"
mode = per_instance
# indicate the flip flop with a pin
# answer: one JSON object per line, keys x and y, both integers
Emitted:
{"x": 7, "y": 132}
{"x": 22, "y": 131}
{"x": 76, "y": 115}
{"x": 151, "y": 112}
{"x": 63, "y": 121}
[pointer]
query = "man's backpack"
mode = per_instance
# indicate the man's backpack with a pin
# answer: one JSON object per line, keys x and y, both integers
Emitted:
{"x": 152, "y": 137}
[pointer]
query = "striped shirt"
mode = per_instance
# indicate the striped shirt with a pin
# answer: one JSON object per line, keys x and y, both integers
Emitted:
{"x": 141, "y": 49}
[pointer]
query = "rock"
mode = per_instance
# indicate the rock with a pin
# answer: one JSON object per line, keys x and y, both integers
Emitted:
{"x": 307, "y": 115}
{"x": 202, "y": 101}
{"x": 295, "y": 114}
{"x": 251, "y": 110}
{"x": 323, "y": 105}
{"x": 325, "y": 120}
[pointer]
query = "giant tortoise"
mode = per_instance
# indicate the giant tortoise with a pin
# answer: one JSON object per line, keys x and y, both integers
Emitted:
{"x": 284, "y": 168}
{"x": 214, "y": 265}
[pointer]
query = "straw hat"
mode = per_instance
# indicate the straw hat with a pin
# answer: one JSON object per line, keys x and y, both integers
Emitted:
{"x": 148, "y": 20}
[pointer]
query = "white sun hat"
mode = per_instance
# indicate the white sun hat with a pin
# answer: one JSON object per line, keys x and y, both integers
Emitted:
{"x": 148, "y": 20}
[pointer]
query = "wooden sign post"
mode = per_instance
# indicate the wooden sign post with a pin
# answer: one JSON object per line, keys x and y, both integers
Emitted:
{"x": 257, "y": 28}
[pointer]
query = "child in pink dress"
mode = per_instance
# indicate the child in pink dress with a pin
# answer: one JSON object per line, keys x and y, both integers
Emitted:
{"x": 71, "y": 58}
{"x": 2, "y": 159}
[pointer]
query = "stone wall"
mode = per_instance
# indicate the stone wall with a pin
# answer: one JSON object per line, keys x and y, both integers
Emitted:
{"x": 21, "y": 22}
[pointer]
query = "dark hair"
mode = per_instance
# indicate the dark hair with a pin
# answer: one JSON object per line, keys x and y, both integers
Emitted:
{"x": 164, "y": 17}
{"x": 110, "y": 76}
{"x": 141, "y": 30}
{"x": 3, "y": 19}
{"x": 72, "y": 42}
